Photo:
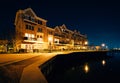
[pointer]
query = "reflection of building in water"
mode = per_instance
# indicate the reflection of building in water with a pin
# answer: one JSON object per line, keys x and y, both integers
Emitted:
{"x": 33, "y": 34}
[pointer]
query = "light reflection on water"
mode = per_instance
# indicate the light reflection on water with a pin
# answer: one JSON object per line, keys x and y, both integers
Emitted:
{"x": 103, "y": 62}
{"x": 86, "y": 68}
{"x": 95, "y": 70}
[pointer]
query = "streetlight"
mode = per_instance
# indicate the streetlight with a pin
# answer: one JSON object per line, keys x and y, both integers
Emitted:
{"x": 85, "y": 44}
{"x": 103, "y": 46}
{"x": 50, "y": 39}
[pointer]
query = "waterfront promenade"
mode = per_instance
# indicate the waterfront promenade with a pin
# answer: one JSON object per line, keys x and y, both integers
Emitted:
{"x": 31, "y": 73}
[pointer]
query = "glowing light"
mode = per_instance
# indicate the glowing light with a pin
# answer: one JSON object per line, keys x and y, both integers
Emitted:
{"x": 83, "y": 47}
{"x": 86, "y": 68}
{"x": 50, "y": 39}
{"x": 86, "y": 42}
{"x": 103, "y": 62}
{"x": 103, "y": 45}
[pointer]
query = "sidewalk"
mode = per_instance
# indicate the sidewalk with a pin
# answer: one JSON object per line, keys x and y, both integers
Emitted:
{"x": 11, "y": 58}
{"x": 32, "y": 73}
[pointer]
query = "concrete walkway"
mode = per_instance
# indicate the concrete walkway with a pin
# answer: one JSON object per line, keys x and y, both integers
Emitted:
{"x": 33, "y": 74}
{"x": 11, "y": 58}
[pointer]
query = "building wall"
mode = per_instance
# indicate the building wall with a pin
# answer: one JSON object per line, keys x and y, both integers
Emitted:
{"x": 32, "y": 34}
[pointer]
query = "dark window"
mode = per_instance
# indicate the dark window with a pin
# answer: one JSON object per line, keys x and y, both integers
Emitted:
{"x": 25, "y": 38}
{"x": 37, "y": 36}
{"x": 40, "y": 36}
{"x": 29, "y": 27}
{"x": 32, "y": 27}
{"x": 50, "y": 32}
{"x": 29, "y": 18}
{"x": 26, "y": 17}
{"x": 39, "y": 22}
{"x": 39, "y": 30}
{"x": 32, "y": 19}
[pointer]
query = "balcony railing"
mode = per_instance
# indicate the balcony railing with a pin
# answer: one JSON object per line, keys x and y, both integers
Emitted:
{"x": 27, "y": 39}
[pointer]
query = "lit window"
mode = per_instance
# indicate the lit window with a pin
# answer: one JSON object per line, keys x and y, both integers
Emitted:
{"x": 26, "y": 35}
{"x": 32, "y": 35}
{"x": 56, "y": 41}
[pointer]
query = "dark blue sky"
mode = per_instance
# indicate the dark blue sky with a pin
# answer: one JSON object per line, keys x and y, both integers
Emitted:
{"x": 99, "y": 19}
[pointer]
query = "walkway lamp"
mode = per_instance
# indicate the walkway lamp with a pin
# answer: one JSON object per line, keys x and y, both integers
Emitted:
{"x": 50, "y": 43}
{"x": 103, "y": 46}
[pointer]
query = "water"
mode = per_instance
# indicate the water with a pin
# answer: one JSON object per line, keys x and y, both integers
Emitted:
{"x": 87, "y": 69}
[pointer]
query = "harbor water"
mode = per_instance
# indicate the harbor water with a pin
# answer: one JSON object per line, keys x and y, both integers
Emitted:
{"x": 76, "y": 68}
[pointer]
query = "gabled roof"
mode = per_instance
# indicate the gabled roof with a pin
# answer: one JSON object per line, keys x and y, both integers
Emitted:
{"x": 29, "y": 11}
{"x": 50, "y": 28}
{"x": 57, "y": 29}
{"x": 63, "y": 26}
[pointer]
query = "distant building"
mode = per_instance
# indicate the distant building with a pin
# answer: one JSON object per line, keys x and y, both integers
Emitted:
{"x": 32, "y": 34}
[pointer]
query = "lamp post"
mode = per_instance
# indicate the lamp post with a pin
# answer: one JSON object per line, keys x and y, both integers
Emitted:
{"x": 86, "y": 45}
{"x": 103, "y": 46}
{"x": 50, "y": 43}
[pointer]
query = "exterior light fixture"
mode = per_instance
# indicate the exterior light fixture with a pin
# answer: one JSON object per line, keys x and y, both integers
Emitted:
{"x": 103, "y": 45}
{"x": 50, "y": 39}
{"x": 86, "y": 42}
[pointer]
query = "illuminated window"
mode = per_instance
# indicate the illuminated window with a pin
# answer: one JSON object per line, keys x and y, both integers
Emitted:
{"x": 26, "y": 35}
{"x": 26, "y": 46}
{"x": 32, "y": 35}
{"x": 56, "y": 41}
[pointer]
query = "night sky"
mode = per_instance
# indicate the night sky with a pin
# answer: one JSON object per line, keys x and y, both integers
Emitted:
{"x": 98, "y": 19}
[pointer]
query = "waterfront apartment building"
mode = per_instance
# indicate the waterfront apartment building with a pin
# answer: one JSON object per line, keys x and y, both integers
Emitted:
{"x": 32, "y": 34}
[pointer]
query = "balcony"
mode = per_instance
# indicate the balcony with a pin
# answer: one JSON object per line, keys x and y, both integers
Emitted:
{"x": 27, "y": 39}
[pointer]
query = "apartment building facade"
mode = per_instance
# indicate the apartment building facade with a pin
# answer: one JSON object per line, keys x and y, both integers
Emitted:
{"x": 32, "y": 34}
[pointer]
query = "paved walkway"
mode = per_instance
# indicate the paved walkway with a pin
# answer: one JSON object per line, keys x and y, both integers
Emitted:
{"x": 11, "y": 58}
{"x": 32, "y": 73}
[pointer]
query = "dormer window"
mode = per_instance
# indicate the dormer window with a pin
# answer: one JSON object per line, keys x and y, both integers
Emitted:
{"x": 39, "y": 22}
